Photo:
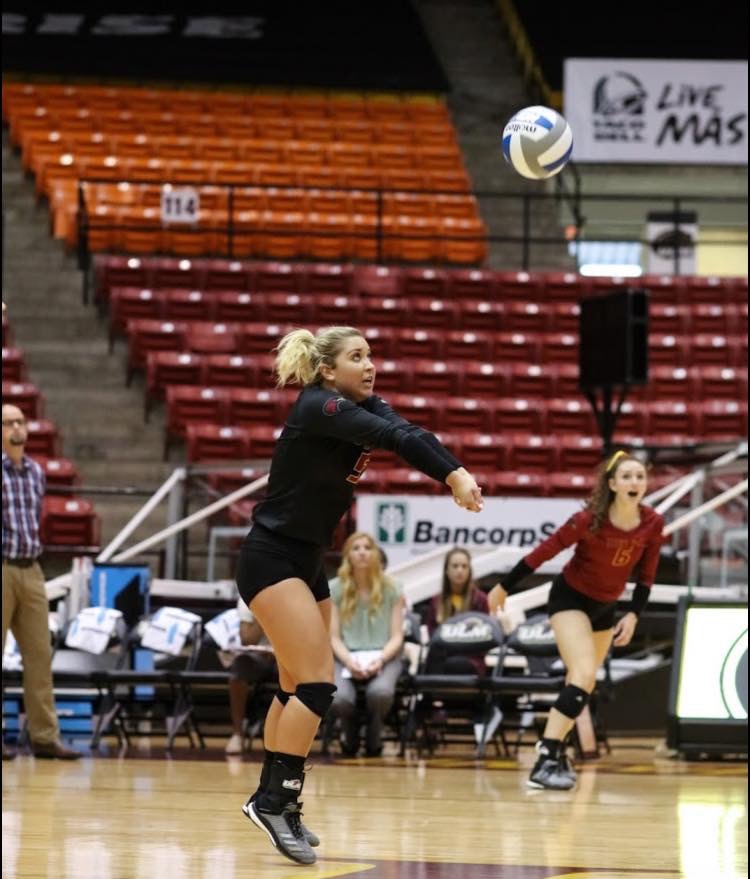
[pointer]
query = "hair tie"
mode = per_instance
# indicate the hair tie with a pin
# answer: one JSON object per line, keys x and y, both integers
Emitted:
{"x": 614, "y": 459}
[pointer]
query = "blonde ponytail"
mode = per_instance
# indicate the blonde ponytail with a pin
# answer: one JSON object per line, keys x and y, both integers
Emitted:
{"x": 300, "y": 354}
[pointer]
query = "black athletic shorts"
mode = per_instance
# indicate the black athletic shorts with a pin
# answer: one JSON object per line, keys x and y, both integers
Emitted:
{"x": 267, "y": 558}
{"x": 562, "y": 596}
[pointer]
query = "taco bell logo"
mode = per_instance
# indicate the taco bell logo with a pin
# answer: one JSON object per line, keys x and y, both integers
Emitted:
{"x": 390, "y": 523}
{"x": 619, "y": 105}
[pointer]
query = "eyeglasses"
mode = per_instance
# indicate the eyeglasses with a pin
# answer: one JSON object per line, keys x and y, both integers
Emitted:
{"x": 9, "y": 422}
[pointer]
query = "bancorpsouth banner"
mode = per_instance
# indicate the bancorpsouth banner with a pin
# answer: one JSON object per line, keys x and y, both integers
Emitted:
{"x": 407, "y": 526}
{"x": 626, "y": 110}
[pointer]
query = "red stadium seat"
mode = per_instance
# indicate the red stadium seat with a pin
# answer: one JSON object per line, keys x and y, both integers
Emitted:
{"x": 570, "y": 416}
{"x": 722, "y": 383}
{"x": 152, "y": 335}
{"x": 212, "y": 442}
{"x": 519, "y": 415}
{"x": 484, "y": 451}
{"x": 669, "y": 319}
{"x": 165, "y": 368}
{"x": 60, "y": 472}
{"x": 511, "y": 483}
{"x": 520, "y": 286}
{"x": 227, "y": 481}
{"x": 713, "y": 319}
{"x": 431, "y": 283}
{"x": 419, "y": 343}
{"x": 574, "y": 485}
{"x": 517, "y": 347}
{"x": 189, "y": 305}
{"x": 420, "y": 409}
{"x": 384, "y": 311}
{"x": 670, "y": 383}
{"x": 329, "y": 279}
{"x": 43, "y": 439}
{"x": 403, "y": 480}
{"x": 393, "y": 376}
{"x": 119, "y": 271}
{"x": 559, "y": 348}
{"x": 667, "y": 350}
{"x": 204, "y": 337}
{"x": 532, "y": 453}
{"x": 484, "y": 380}
{"x": 532, "y": 380}
{"x": 477, "y": 284}
{"x": 466, "y": 413}
{"x": 225, "y": 274}
{"x": 239, "y": 306}
{"x": 69, "y": 523}
{"x": 281, "y": 277}
{"x": 434, "y": 377}
{"x": 238, "y": 370}
{"x": 436, "y": 313}
{"x": 336, "y": 309}
{"x": 711, "y": 350}
{"x": 251, "y": 406}
{"x": 580, "y": 453}
{"x": 566, "y": 317}
{"x": 26, "y": 396}
{"x": 469, "y": 345}
{"x": 288, "y": 308}
{"x": 664, "y": 289}
{"x": 132, "y": 303}
{"x": 259, "y": 338}
{"x": 566, "y": 287}
{"x": 262, "y": 440}
{"x": 527, "y": 317}
{"x": 179, "y": 274}
{"x": 671, "y": 416}
{"x": 566, "y": 384}
{"x": 14, "y": 369}
{"x": 381, "y": 281}
{"x": 722, "y": 419}
{"x": 186, "y": 404}
{"x": 480, "y": 314}
{"x": 707, "y": 289}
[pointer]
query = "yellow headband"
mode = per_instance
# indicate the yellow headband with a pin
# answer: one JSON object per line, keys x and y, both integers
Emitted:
{"x": 614, "y": 459}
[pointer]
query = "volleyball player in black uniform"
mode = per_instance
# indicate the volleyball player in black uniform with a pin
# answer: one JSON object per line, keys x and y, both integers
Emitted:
{"x": 319, "y": 457}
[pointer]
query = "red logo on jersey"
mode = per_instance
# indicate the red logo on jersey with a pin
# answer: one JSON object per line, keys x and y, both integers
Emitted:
{"x": 332, "y": 405}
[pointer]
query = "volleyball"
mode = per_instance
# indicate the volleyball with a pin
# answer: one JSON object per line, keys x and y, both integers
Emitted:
{"x": 537, "y": 142}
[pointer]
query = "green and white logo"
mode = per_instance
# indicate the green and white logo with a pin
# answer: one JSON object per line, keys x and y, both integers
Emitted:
{"x": 390, "y": 523}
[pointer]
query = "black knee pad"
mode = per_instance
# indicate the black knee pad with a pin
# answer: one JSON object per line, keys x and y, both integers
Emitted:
{"x": 316, "y": 696}
{"x": 283, "y": 696}
{"x": 571, "y": 701}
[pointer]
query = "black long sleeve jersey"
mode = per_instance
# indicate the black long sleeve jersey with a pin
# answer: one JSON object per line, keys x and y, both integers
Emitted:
{"x": 322, "y": 452}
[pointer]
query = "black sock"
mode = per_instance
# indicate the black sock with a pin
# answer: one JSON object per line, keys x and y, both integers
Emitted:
{"x": 552, "y": 747}
{"x": 286, "y": 776}
{"x": 265, "y": 770}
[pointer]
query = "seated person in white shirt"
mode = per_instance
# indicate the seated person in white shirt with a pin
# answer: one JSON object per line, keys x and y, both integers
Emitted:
{"x": 247, "y": 672}
{"x": 367, "y": 615}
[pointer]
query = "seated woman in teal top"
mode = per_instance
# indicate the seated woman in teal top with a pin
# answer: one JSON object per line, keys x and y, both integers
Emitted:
{"x": 367, "y": 638}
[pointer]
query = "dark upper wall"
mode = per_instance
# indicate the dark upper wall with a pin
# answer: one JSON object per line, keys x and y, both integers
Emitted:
{"x": 375, "y": 44}
{"x": 632, "y": 29}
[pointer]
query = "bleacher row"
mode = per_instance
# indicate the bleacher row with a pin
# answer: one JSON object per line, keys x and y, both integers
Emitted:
{"x": 366, "y": 143}
{"x": 496, "y": 377}
{"x": 68, "y": 520}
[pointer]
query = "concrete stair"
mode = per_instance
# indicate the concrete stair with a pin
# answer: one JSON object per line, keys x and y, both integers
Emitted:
{"x": 65, "y": 348}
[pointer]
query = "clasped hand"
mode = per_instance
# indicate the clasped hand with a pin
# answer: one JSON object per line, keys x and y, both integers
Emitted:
{"x": 466, "y": 493}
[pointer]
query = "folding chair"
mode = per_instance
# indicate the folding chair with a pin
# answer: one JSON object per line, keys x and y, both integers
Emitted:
{"x": 464, "y": 635}
{"x": 529, "y": 667}
{"x": 168, "y": 643}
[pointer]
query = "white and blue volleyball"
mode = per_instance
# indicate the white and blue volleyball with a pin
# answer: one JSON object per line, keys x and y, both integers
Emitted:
{"x": 537, "y": 142}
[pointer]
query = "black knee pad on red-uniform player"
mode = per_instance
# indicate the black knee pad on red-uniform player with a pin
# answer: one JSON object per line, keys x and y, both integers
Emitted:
{"x": 316, "y": 696}
{"x": 571, "y": 701}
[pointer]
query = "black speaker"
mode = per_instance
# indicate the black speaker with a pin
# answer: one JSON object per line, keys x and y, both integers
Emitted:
{"x": 613, "y": 347}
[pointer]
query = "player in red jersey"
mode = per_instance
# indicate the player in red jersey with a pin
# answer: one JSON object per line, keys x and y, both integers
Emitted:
{"x": 613, "y": 535}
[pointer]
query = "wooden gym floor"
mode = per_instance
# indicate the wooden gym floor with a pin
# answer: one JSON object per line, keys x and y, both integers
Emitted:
{"x": 634, "y": 815}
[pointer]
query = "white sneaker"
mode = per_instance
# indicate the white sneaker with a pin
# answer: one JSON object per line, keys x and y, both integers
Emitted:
{"x": 235, "y": 745}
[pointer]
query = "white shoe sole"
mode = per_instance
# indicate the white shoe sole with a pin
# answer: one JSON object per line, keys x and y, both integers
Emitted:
{"x": 250, "y": 813}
